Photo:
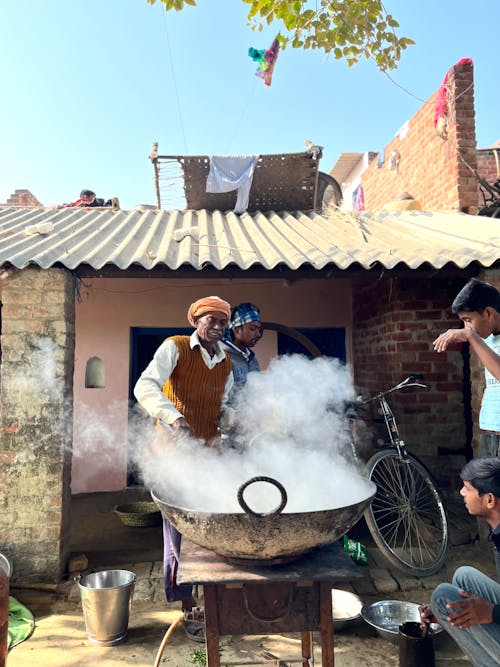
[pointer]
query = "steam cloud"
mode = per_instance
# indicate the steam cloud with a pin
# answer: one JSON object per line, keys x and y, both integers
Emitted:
{"x": 290, "y": 426}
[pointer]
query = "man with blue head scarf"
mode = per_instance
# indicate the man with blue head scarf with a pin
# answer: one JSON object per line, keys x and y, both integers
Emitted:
{"x": 243, "y": 332}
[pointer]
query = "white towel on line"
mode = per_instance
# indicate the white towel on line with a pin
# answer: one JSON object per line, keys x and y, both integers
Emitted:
{"x": 229, "y": 173}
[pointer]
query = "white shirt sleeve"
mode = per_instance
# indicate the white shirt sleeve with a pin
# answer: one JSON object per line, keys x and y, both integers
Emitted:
{"x": 148, "y": 388}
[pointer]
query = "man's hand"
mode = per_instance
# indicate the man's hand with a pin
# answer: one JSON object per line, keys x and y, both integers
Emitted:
{"x": 426, "y": 615}
{"x": 472, "y": 610}
{"x": 450, "y": 337}
{"x": 182, "y": 427}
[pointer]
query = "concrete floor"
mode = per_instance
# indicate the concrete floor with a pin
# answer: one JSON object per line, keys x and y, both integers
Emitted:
{"x": 60, "y": 638}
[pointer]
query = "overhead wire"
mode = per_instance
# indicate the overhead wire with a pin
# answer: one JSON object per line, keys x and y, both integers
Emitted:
{"x": 250, "y": 97}
{"x": 169, "y": 285}
{"x": 174, "y": 79}
{"x": 391, "y": 79}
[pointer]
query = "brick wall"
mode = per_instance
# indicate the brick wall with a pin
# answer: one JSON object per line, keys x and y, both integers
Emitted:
{"x": 36, "y": 406}
{"x": 395, "y": 321}
{"x": 486, "y": 164}
{"x": 22, "y": 197}
{"x": 429, "y": 166}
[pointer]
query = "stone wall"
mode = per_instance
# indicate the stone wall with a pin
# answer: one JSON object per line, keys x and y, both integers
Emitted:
{"x": 37, "y": 345}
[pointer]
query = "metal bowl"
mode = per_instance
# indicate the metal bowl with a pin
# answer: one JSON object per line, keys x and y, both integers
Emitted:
{"x": 346, "y": 607}
{"x": 5, "y": 565}
{"x": 263, "y": 537}
{"x": 387, "y": 615}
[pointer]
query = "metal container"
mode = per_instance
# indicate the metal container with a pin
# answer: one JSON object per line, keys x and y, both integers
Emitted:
{"x": 5, "y": 572}
{"x": 346, "y": 608}
{"x": 106, "y": 601}
{"x": 415, "y": 646}
{"x": 387, "y": 615}
{"x": 263, "y": 538}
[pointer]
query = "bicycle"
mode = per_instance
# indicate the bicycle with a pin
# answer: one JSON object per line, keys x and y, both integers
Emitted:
{"x": 406, "y": 518}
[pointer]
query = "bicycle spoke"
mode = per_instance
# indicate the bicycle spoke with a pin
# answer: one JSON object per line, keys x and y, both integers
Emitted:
{"x": 407, "y": 513}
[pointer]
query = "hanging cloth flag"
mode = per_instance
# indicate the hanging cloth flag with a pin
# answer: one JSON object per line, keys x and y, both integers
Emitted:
{"x": 441, "y": 110}
{"x": 265, "y": 59}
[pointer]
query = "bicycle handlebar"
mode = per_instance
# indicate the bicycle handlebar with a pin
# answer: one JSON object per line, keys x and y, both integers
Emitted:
{"x": 410, "y": 381}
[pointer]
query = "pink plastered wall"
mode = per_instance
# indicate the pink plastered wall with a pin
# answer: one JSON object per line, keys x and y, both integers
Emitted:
{"x": 108, "y": 309}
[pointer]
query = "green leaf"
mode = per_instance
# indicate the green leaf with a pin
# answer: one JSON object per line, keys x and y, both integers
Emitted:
{"x": 348, "y": 28}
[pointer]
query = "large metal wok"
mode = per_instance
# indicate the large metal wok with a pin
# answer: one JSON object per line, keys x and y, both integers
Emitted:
{"x": 274, "y": 536}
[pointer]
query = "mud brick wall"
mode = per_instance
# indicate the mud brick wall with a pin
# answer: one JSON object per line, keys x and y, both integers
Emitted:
{"x": 395, "y": 321}
{"x": 37, "y": 344}
{"x": 429, "y": 166}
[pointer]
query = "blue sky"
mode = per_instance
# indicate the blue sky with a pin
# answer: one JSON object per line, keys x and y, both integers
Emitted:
{"x": 89, "y": 85}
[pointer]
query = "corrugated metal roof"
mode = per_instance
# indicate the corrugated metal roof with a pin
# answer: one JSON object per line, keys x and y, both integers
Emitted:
{"x": 150, "y": 238}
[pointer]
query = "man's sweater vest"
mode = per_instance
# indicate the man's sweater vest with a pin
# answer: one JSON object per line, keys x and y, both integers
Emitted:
{"x": 196, "y": 390}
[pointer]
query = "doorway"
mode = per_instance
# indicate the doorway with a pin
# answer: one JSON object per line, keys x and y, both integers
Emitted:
{"x": 144, "y": 341}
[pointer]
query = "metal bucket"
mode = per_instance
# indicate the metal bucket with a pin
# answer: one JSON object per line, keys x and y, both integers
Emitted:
{"x": 5, "y": 572}
{"x": 106, "y": 600}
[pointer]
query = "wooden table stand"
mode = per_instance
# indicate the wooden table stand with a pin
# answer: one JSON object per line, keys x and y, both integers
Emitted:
{"x": 251, "y": 600}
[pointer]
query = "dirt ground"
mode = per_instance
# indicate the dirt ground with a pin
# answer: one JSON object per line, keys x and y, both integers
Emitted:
{"x": 60, "y": 640}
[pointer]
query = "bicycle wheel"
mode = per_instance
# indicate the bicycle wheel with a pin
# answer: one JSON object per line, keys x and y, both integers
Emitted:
{"x": 407, "y": 518}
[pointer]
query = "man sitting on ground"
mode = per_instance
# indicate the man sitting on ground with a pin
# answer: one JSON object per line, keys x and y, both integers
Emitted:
{"x": 469, "y": 608}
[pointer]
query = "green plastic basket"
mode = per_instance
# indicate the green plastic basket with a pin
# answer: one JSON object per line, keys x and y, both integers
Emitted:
{"x": 139, "y": 515}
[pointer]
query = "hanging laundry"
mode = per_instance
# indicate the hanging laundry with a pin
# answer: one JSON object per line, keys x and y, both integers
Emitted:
{"x": 265, "y": 59}
{"x": 358, "y": 199}
{"x": 440, "y": 113}
{"x": 229, "y": 173}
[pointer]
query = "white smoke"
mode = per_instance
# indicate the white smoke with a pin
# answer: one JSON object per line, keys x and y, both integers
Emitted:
{"x": 291, "y": 426}
{"x": 36, "y": 378}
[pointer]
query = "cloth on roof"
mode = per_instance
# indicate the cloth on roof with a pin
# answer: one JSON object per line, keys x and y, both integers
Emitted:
{"x": 21, "y": 623}
{"x": 229, "y": 173}
{"x": 82, "y": 203}
{"x": 359, "y": 199}
{"x": 87, "y": 199}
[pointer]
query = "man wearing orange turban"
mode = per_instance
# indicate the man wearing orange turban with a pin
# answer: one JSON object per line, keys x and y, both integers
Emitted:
{"x": 185, "y": 387}
{"x": 206, "y": 305}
